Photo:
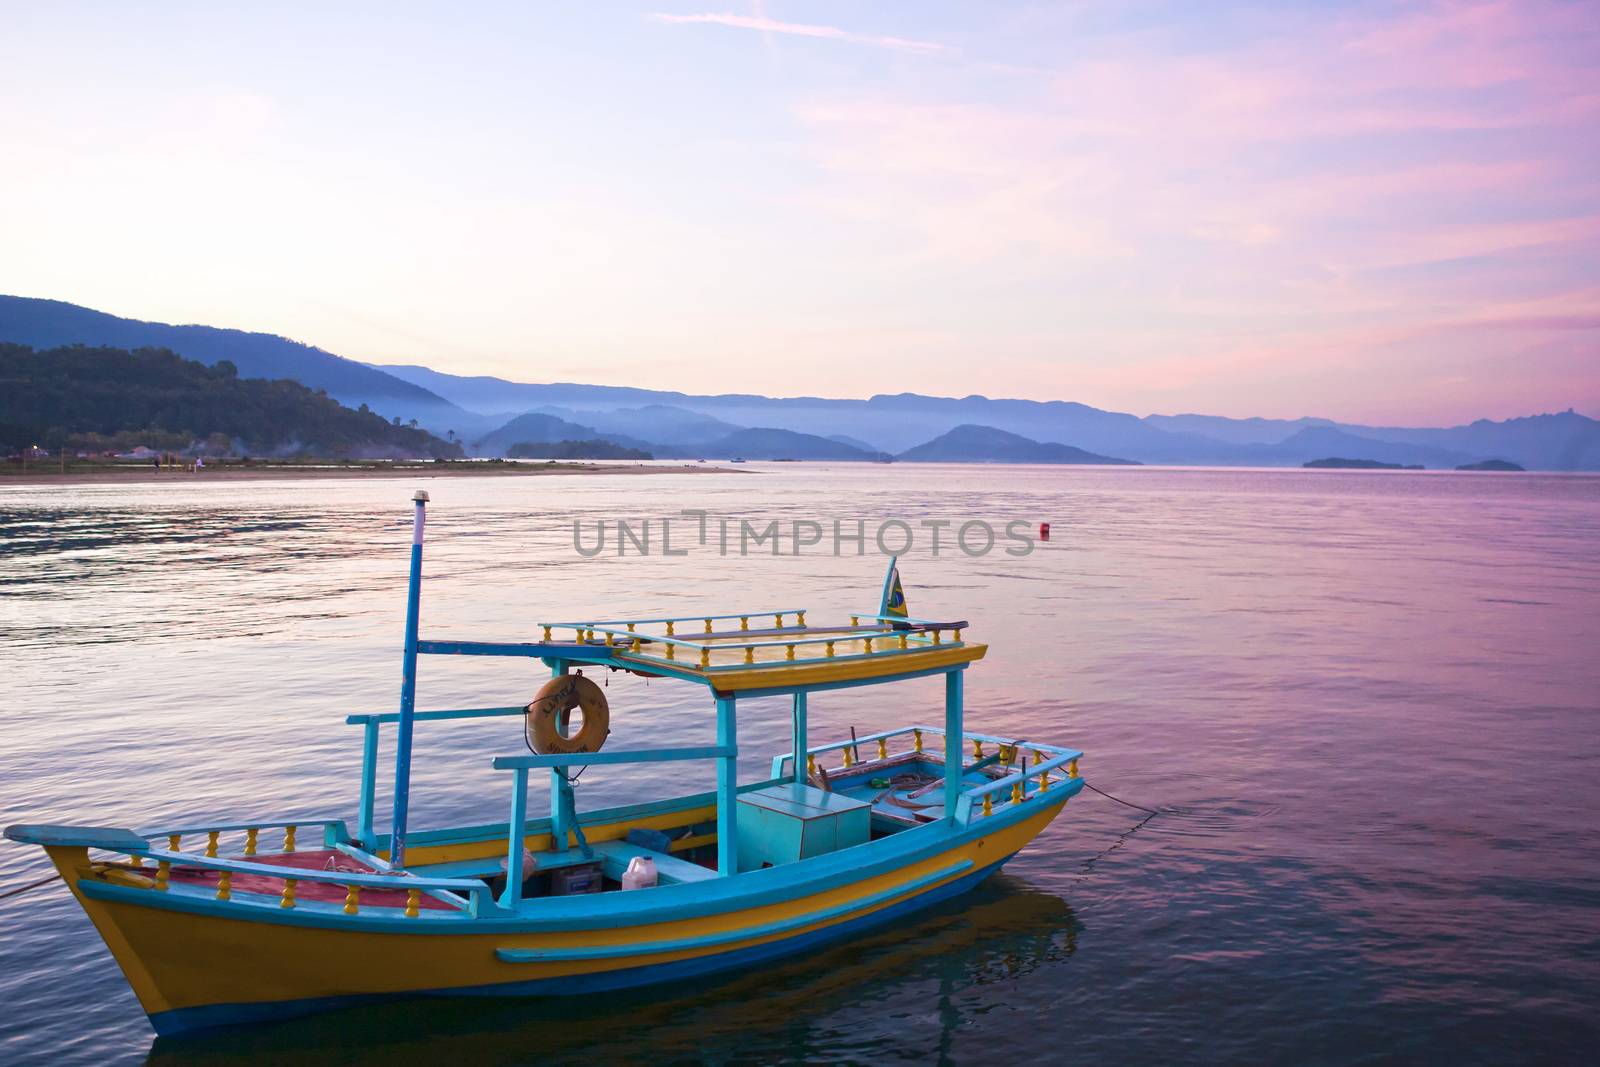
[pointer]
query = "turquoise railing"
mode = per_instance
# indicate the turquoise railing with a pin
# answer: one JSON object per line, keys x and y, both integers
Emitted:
{"x": 1017, "y": 786}
{"x": 465, "y": 896}
{"x": 365, "y": 832}
{"x": 744, "y": 617}
{"x": 876, "y": 640}
{"x": 468, "y": 895}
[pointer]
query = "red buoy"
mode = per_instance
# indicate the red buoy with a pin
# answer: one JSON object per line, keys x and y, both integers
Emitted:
{"x": 1044, "y": 531}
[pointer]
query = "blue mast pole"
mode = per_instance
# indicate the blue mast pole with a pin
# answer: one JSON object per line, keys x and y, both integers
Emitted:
{"x": 727, "y": 788}
{"x": 801, "y": 738}
{"x": 954, "y": 758}
{"x": 408, "y": 693}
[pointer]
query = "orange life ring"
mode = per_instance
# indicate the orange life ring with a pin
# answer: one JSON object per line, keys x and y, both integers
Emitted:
{"x": 551, "y": 709}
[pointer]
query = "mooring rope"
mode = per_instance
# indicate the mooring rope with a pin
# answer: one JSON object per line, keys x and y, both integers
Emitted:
{"x": 1150, "y": 813}
{"x": 31, "y": 885}
{"x": 1119, "y": 800}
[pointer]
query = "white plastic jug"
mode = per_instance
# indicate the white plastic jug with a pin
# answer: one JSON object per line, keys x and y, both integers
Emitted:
{"x": 641, "y": 873}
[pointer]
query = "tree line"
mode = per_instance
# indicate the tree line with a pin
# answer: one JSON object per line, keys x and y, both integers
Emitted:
{"x": 90, "y": 397}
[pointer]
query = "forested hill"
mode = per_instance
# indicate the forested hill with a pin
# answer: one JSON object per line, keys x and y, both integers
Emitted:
{"x": 77, "y": 394}
{"x": 50, "y": 323}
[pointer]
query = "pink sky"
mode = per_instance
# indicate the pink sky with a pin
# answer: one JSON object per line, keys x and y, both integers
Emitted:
{"x": 1379, "y": 212}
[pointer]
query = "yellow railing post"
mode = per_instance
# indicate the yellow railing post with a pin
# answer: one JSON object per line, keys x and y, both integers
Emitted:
{"x": 829, "y": 648}
{"x": 744, "y": 622}
{"x": 352, "y": 900}
{"x": 811, "y": 765}
{"x": 211, "y": 843}
{"x": 250, "y": 841}
{"x": 705, "y": 657}
{"x": 163, "y": 872}
{"x": 800, "y": 618}
{"x": 788, "y": 652}
{"x": 671, "y": 632}
{"x": 883, "y": 748}
{"x": 988, "y": 803}
{"x": 1072, "y": 768}
{"x": 175, "y": 842}
{"x": 977, "y": 749}
{"x": 749, "y": 653}
{"x": 287, "y": 900}
{"x": 413, "y": 896}
{"x": 916, "y": 740}
{"x": 225, "y": 885}
{"x": 1016, "y": 791}
{"x": 288, "y": 837}
{"x": 779, "y": 619}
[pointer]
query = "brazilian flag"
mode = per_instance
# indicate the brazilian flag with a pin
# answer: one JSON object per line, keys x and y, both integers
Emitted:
{"x": 893, "y": 605}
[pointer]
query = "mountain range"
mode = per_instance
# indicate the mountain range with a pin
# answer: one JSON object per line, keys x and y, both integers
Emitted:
{"x": 489, "y": 413}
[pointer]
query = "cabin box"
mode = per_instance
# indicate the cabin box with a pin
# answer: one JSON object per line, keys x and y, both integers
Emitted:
{"x": 784, "y": 823}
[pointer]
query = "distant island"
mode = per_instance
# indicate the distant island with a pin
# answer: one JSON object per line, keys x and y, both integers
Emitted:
{"x": 1491, "y": 465}
{"x": 109, "y": 401}
{"x": 1335, "y": 463}
{"x": 592, "y": 449}
{"x": 546, "y": 428}
{"x": 986, "y": 444}
{"x": 771, "y": 443}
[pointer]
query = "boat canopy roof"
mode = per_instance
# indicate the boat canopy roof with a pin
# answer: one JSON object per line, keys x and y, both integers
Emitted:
{"x": 748, "y": 652}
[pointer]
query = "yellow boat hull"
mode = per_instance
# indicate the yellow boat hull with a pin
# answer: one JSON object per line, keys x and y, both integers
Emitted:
{"x": 194, "y": 970}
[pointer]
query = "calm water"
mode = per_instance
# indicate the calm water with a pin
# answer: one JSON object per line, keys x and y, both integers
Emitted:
{"x": 1368, "y": 705}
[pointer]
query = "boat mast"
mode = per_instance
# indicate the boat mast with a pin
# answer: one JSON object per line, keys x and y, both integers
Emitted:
{"x": 408, "y": 693}
{"x": 954, "y": 758}
{"x": 727, "y": 787}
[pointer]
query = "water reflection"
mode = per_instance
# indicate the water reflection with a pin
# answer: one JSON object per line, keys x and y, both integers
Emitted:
{"x": 1366, "y": 706}
{"x": 910, "y": 978}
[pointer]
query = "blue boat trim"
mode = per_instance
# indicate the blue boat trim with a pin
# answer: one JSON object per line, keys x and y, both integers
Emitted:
{"x": 662, "y": 904}
{"x": 47, "y": 834}
{"x": 651, "y": 948}
{"x": 189, "y": 1020}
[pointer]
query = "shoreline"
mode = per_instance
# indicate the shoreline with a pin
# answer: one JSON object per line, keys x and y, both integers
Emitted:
{"x": 108, "y": 475}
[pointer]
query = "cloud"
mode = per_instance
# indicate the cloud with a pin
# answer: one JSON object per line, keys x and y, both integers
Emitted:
{"x": 1290, "y": 210}
{"x": 802, "y": 29}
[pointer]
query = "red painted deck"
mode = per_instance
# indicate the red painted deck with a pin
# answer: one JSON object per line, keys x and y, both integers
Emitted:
{"x": 314, "y": 860}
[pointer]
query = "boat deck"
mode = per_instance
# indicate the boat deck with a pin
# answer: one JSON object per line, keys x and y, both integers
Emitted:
{"x": 753, "y": 655}
{"x": 909, "y": 788}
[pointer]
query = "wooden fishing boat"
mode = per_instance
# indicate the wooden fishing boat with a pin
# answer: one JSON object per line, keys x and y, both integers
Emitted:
{"x": 224, "y": 923}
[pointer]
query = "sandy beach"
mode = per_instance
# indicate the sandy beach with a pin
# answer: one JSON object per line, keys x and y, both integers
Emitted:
{"x": 44, "y": 474}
